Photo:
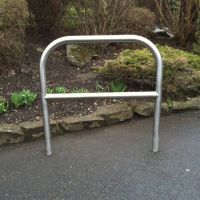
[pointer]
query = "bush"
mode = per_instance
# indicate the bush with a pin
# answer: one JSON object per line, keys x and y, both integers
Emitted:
{"x": 180, "y": 17}
{"x": 98, "y": 17}
{"x": 196, "y": 46}
{"x": 47, "y": 14}
{"x": 137, "y": 68}
{"x": 108, "y": 17}
{"x": 140, "y": 20}
{"x": 146, "y": 3}
{"x": 13, "y": 16}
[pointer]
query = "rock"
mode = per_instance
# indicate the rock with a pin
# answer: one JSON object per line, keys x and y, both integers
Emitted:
{"x": 71, "y": 124}
{"x": 191, "y": 104}
{"x": 105, "y": 115}
{"x": 10, "y": 134}
{"x": 34, "y": 129}
{"x": 146, "y": 109}
{"x": 115, "y": 113}
{"x": 87, "y": 76}
{"x": 133, "y": 104}
{"x": 79, "y": 55}
{"x": 164, "y": 109}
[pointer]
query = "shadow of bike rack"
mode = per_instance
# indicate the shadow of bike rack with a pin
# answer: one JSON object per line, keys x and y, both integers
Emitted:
{"x": 157, "y": 94}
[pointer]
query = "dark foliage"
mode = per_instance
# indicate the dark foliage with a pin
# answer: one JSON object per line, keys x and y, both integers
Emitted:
{"x": 47, "y": 14}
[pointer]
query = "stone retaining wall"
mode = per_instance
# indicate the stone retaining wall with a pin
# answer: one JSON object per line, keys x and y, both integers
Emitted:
{"x": 104, "y": 116}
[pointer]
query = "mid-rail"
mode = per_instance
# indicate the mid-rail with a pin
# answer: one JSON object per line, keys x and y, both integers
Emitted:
{"x": 157, "y": 94}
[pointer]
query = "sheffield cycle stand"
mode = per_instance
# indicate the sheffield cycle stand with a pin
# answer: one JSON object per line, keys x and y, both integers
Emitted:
{"x": 157, "y": 94}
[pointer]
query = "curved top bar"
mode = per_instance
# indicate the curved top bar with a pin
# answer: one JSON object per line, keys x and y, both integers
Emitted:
{"x": 98, "y": 39}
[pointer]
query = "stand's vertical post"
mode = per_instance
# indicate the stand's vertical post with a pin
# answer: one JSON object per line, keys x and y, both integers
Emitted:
{"x": 46, "y": 120}
{"x": 156, "y": 127}
{"x": 157, "y": 113}
{"x": 47, "y": 127}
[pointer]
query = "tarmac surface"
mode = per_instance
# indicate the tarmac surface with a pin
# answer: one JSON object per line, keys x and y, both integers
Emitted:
{"x": 112, "y": 163}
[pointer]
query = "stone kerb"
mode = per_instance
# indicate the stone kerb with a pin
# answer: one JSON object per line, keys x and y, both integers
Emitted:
{"x": 103, "y": 116}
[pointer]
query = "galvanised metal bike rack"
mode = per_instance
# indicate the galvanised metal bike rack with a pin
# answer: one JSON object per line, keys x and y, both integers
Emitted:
{"x": 157, "y": 94}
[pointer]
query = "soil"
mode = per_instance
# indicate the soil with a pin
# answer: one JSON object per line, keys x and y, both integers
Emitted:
{"x": 59, "y": 73}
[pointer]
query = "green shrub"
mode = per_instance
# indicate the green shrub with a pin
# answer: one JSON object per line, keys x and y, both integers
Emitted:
{"x": 13, "y": 19}
{"x": 71, "y": 20}
{"x": 3, "y": 107}
{"x": 79, "y": 90}
{"x": 118, "y": 86}
{"x": 58, "y": 89}
{"x": 23, "y": 98}
{"x": 61, "y": 89}
{"x": 181, "y": 70}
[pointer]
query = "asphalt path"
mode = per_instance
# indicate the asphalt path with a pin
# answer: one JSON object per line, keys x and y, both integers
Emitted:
{"x": 112, "y": 163}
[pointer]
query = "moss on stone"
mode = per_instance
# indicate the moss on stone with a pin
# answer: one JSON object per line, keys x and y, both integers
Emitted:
{"x": 79, "y": 55}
